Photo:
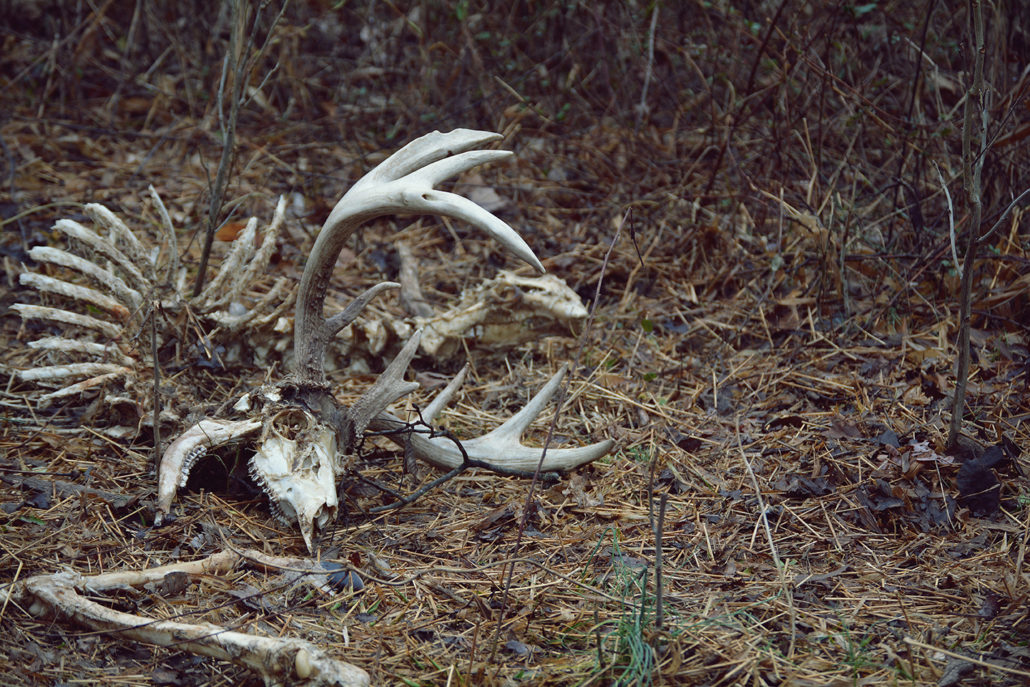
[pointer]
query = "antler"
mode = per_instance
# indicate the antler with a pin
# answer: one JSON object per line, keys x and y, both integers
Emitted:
{"x": 403, "y": 183}
{"x": 500, "y": 448}
{"x": 306, "y": 435}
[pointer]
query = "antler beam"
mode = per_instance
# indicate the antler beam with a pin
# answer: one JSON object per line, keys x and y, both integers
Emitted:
{"x": 403, "y": 183}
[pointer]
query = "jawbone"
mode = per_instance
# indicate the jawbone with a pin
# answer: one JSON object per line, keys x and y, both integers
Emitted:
{"x": 297, "y": 463}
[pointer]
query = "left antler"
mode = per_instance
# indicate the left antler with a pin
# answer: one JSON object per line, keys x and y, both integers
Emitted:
{"x": 403, "y": 183}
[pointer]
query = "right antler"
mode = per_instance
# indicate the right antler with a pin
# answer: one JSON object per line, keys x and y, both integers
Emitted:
{"x": 306, "y": 435}
{"x": 500, "y": 449}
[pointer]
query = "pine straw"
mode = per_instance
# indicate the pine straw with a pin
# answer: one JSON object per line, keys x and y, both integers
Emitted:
{"x": 760, "y": 323}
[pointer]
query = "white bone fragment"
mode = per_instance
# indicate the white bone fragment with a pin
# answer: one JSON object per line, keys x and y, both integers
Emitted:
{"x": 46, "y": 284}
{"x": 41, "y": 312}
{"x": 232, "y": 266}
{"x": 120, "y": 234}
{"x": 295, "y": 464}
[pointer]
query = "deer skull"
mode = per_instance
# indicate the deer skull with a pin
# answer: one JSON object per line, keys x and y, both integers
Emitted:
{"x": 296, "y": 465}
{"x": 305, "y": 434}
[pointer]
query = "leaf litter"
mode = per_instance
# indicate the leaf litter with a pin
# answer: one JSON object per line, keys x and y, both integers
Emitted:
{"x": 801, "y": 332}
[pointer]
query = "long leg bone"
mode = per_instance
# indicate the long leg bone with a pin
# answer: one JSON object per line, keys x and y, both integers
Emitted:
{"x": 279, "y": 660}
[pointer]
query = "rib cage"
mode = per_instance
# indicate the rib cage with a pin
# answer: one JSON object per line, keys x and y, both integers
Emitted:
{"x": 103, "y": 285}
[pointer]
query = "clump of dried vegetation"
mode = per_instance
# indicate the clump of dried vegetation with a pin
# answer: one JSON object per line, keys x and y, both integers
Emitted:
{"x": 773, "y": 349}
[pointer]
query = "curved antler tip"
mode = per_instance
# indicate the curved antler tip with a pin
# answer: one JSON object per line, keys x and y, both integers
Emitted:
{"x": 479, "y": 135}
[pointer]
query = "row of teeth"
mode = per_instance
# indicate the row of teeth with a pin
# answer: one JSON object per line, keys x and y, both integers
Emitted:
{"x": 195, "y": 454}
{"x": 273, "y": 502}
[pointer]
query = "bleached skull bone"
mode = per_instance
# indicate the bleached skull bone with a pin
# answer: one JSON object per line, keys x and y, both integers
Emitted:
{"x": 297, "y": 464}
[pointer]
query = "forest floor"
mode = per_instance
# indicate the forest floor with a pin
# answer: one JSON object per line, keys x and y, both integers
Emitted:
{"x": 772, "y": 349}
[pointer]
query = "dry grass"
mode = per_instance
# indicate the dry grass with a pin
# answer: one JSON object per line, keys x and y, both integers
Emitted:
{"x": 773, "y": 348}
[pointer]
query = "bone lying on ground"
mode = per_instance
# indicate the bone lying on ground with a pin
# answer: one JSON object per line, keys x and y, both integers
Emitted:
{"x": 278, "y": 660}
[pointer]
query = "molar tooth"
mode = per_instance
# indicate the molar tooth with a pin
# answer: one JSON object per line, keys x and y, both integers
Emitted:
{"x": 277, "y": 512}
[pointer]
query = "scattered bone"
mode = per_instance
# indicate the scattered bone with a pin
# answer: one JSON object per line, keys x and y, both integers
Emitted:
{"x": 305, "y": 438}
{"x": 278, "y": 660}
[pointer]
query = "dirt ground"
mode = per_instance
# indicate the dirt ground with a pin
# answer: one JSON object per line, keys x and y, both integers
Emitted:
{"x": 750, "y": 196}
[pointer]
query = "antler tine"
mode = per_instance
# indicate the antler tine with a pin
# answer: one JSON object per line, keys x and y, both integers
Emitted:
{"x": 441, "y": 400}
{"x": 318, "y": 333}
{"x": 388, "y": 387}
{"x": 424, "y": 151}
{"x": 341, "y": 319}
{"x": 501, "y": 448}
